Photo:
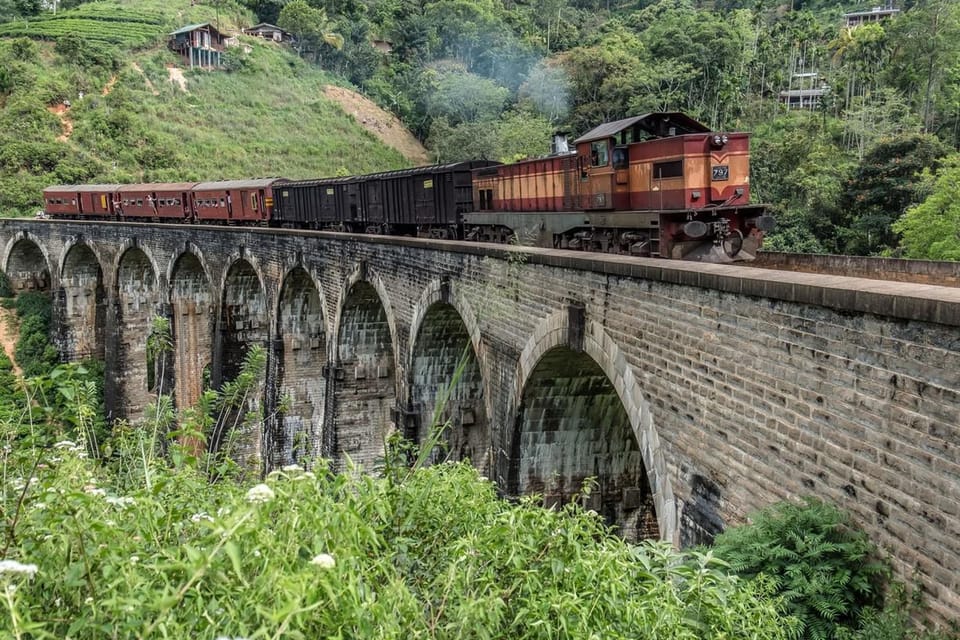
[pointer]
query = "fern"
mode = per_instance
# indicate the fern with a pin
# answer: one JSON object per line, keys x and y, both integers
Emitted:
{"x": 825, "y": 570}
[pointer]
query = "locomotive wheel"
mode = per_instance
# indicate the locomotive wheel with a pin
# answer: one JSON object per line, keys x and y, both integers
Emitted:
{"x": 733, "y": 243}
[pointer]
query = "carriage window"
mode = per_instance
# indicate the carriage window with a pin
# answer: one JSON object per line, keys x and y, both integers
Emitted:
{"x": 139, "y": 202}
{"x": 621, "y": 160}
{"x": 672, "y": 169}
{"x": 598, "y": 153}
{"x": 222, "y": 202}
{"x": 253, "y": 201}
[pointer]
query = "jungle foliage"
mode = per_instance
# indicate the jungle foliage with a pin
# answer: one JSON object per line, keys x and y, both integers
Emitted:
{"x": 487, "y": 80}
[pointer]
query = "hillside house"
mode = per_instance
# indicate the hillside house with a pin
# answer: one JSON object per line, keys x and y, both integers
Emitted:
{"x": 269, "y": 31}
{"x": 877, "y": 14}
{"x": 200, "y": 45}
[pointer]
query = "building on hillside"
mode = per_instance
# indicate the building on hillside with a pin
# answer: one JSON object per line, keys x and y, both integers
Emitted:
{"x": 802, "y": 98}
{"x": 200, "y": 45}
{"x": 269, "y": 31}
{"x": 383, "y": 46}
{"x": 804, "y": 93}
{"x": 876, "y": 14}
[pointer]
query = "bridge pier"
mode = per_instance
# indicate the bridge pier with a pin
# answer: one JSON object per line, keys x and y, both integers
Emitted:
{"x": 299, "y": 355}
{"x": 242, "y": 323}
{"x": 132, "y": 382}
{"x": 364, "y": 382}
{"x": 81, "y": 305}
{"x": 191, "y": 308}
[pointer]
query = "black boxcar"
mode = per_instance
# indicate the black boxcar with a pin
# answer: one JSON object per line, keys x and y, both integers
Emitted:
{"x": 424, "y": 200}
{"x": 307, "y": 204}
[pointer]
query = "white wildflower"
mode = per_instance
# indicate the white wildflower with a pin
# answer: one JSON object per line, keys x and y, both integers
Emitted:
{"x": 89, "y": 600}
{"x": 260, "y": 493}
{"x": 11, "y": 589}
{"x": 94, "y": 491}
{"x": 324, "y": 561}
{"x": 65, "y": 444}
{"x": 199, "y": 517}
{"x": 310, "y": 474}
{"x": 134, "y": 559}
{"x": 40, "y": 505}
{"x": 12, "y": 566}
{"x": 256, "y": 553}
{"x": 292, "y": 468}
{"x": 120, "y": 501}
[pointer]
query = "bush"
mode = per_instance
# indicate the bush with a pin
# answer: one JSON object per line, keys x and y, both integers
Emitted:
{"x": 316, "y": 555}
{"x": 34, "y": 352}
{"x": 826, "y": 570}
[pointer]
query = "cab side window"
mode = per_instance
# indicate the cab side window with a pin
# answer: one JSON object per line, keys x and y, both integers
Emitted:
{"x": 621, "y": 159}
{"x": 598, "y": 153}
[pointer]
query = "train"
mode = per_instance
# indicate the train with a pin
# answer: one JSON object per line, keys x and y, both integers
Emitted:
{"x": 655, "y": 185}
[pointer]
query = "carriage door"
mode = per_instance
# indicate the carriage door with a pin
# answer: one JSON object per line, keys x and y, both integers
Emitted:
{"x": 600, "y": 176}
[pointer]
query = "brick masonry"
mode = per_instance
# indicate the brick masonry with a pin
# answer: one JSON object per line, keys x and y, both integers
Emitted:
{"x": 697, "y": 393}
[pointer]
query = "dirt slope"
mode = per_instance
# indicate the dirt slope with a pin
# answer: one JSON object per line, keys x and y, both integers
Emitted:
{"x": 8, "y": 336}
{"x": 383, "y": 124}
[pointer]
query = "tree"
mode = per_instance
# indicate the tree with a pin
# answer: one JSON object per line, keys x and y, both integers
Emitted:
{"x": 931, "y": 229}
{"x": 266, "y": 10}
{"x": 309, "y": 26}
{"x": 882, "y": 189}
{"x": 927, "y": 45}
{"x": 461, "y": 96}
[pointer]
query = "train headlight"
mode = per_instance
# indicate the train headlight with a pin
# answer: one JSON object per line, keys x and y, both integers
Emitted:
{"x": 717, "y": 140}
{"x": 724, "y": 139}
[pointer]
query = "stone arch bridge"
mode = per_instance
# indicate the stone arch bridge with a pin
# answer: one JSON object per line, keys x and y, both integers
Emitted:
{"x": 694, "y": 394}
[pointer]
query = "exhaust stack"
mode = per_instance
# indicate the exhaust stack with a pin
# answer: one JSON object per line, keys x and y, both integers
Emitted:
{"x": 559, "y": 146}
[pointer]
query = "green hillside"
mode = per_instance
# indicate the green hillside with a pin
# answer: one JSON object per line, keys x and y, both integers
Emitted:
{"x": 90, "y": 95}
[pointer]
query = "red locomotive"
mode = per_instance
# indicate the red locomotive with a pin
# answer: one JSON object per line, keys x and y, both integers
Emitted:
{"x": 660, "y": 184}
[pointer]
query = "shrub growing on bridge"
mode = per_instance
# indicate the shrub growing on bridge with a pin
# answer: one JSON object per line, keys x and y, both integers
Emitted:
{"x": 826, "y": 570}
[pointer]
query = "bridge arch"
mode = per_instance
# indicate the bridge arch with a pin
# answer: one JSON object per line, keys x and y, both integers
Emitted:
{"x": 444, "y": 335}
{"x": 192, "y": 302}
{"x": 564, "y": 378}
{"x": 196, "y": 253}
{"x": 137, "y": 297}
{"x": 26, "y": 263}
{"x": 143, "y": 252}
{"x": 301, "y": 354}
{"x": 365, "y": 371}
{"x": 83, "y": 300}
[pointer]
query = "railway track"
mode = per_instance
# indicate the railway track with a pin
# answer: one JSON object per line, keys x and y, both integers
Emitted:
{"x": 946, "y": 274}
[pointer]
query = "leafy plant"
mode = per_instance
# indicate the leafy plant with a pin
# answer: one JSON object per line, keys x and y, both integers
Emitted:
{"x": 824, "y": 568}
